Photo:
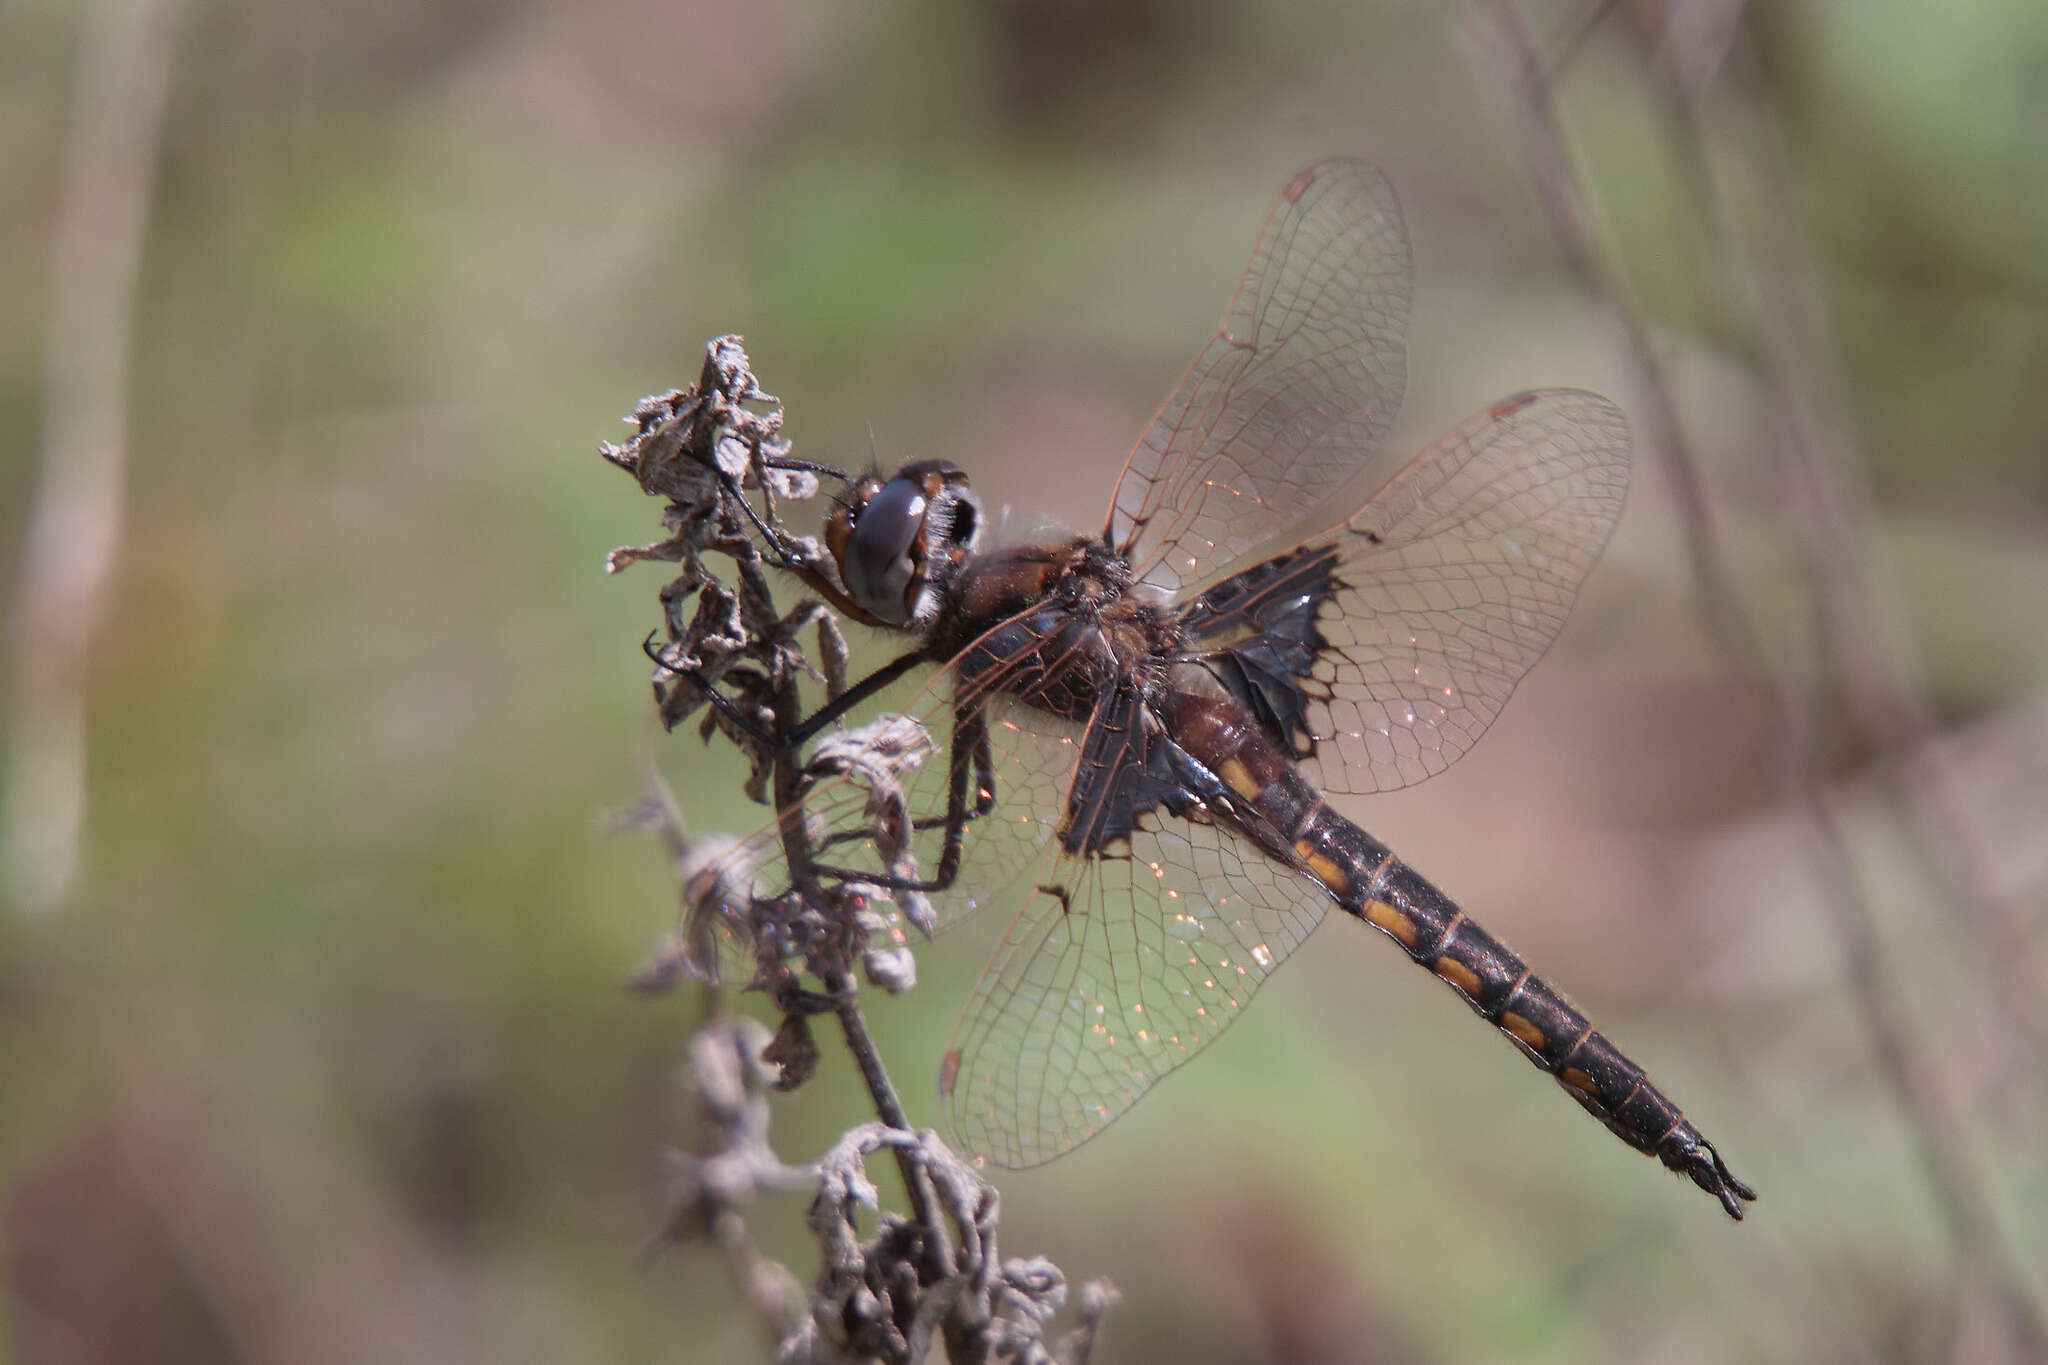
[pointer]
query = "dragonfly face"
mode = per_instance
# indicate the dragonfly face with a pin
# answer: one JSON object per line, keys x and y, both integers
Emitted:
{"x": 1140, "y": 726}
{"x": 898, "y": 543}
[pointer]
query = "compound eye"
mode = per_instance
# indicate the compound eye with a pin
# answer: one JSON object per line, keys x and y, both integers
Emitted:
{"x": 876, "y": 564}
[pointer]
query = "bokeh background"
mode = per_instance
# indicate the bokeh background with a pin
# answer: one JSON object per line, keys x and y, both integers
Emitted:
{"x": 322, "y": 1052}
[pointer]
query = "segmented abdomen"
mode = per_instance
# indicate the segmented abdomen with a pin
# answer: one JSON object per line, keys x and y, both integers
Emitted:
{"x": 1364, "y": 877}
{"x": 1369, "y": 881}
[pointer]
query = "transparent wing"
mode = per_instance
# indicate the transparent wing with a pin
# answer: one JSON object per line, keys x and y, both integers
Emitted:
{"x": 1118, "y": 968}
{"x": 1299, "y": 384}
{"x": 1380, "y": 651}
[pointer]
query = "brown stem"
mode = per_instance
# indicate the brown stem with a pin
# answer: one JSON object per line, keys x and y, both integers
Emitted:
{"x": 74, "y": 529}
{"x": 846, "y": 993}
{"x": 888, "y": 1108}
{"x": 1960, "y": 1192}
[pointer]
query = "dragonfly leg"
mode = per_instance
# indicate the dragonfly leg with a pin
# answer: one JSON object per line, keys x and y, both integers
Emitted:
{"x": 971, "y": 761}
{"x": 725, "y": 705}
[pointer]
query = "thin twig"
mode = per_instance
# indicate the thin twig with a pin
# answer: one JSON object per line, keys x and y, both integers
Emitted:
{"x": 846, "y": 999}
{"x": 1875, "y": 663}
{"x": 1879, "y": 682}
{"x": 853, "y": 1025}
{"x": 1878, "y": 675}
{"x": 74, "y": 531}
{"x": 732, "y": 1162}
{"x": 1507, "y": 43}
{"x": 1960, "y": 1193}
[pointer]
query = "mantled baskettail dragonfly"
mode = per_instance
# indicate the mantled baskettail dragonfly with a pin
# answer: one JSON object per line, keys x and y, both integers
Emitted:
{"x": 1139, "y": 726}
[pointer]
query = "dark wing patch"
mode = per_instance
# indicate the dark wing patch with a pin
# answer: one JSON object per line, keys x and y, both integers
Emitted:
{"x": 1381, "y": 651}
{"x": 1256, "y": 631}
{"x": 1129, "y": 768}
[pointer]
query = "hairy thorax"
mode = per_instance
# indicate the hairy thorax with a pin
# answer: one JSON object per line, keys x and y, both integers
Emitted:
{"x": 1056, "y": 627}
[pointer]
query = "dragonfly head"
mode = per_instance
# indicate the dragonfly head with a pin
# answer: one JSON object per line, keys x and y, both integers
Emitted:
{"x": 897, "y": 542}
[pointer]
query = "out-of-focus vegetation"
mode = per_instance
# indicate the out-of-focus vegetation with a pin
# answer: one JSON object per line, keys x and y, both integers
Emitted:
{"x": 327, "y": 1056}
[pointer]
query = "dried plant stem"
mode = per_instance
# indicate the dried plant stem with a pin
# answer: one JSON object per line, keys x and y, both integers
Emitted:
{"x": 1875, "y": 664}
{"x": 888, "y": 1108}
{"x": 1964, "y": 1202}
{"x": 845, "y": 995}
{"x": 1880, "y": 683}
{"x": 1507, "y": 43}
{"x": 74, "y": 529}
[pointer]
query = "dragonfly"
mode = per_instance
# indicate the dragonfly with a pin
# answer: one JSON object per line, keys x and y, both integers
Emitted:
{"x": 1137, "y": 729}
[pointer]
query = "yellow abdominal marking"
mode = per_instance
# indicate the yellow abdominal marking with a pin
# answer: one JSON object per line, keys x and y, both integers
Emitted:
{"x": 1578, "y": 1080}
{"x": 1523, "y": 1029}
{"x": 1458, "y": 974}
{"x": 1381, "y": 915}
{"x": 1239, "y": 779}
{"x": 1326, "y": 870}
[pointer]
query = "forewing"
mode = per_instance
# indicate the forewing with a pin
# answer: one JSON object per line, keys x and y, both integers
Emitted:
{"x": 1298, "y": 385}
{"x": 1380, "y": 652}
{"x": 1118, "y": 967}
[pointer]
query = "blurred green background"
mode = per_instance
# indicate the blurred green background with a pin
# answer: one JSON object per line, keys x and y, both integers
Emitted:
{"x": 326, "y": 1055}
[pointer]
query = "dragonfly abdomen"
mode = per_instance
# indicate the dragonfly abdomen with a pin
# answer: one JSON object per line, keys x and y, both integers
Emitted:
{"x": 1279, "y": 810}
{"x": 1364, "y": 877}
